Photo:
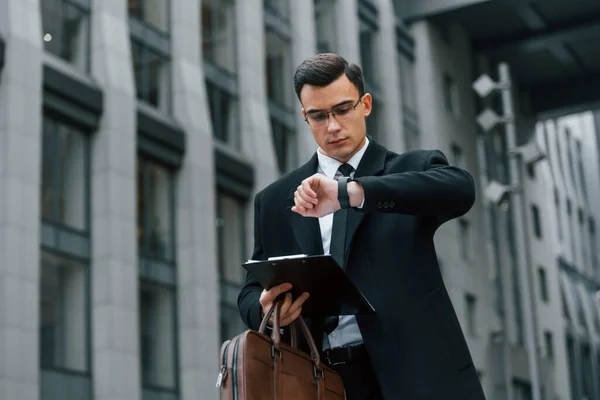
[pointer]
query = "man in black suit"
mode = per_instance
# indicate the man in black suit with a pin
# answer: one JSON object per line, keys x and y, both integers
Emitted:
{"x": 376, "y": 213}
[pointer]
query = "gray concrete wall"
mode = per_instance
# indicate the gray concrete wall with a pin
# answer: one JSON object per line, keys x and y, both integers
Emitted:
{"x": 20, "y": 149}
{"x": 197, "y": 277}
{"x": 114, "y": 272}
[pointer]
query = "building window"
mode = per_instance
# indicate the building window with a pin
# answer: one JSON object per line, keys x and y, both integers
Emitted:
{"x": 284, "y": 145}
{"x": 537, "y": 225}
{"x": 65, "y": 176}
{"x": 549, "y": 344}
{"x": 457, "y": 156}
{"x": 279, "y": 90}
{"x": 368, "y": 44}
{"x": 278, "y": 68}
{"x": 465, "y": 238}
{"x": 281, "y": 8}
{"x": 558, "y": 215}
{"x": 150, "y": 48}
{"x": 586, "y": 371}
{"x": 409, "y": 102}
{"x": 451, "y": 97}
{"x": 157, "y": 293}
{"x": 155, "y": 211}
{"x": 573, "y": 367}
{"x": 571, "y": 165}
{"x": 231, "y": 236}
{"x": 543, "y": 284}
{"x": 593, "y": 246}
{"x": 471, "y": 304}
{"x": 158, "y": 340}
{"x": 224, "y": 115}
{"x": 155, "y": 13}
{"x": 531, "y": 170}
{"x": 152, "y": 76}
{"x": 580, "y": 169}
{"x": 220, "y": 67}
{"x": 66, "y": 29}
{"x": 325, "y": 26}
{"x": 521, "y": 390}
{"x": 218, "y": 34}
{"x": 64, "y": 263}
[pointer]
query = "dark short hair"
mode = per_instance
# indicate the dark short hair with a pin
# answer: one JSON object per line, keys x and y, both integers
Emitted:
{"x": 323, "y": 69}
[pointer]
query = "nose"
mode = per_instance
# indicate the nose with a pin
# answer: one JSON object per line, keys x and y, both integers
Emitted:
{"x": 332, "y": 125}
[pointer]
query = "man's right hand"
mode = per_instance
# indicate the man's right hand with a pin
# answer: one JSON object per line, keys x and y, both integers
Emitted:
{"x": 290, "y": 311}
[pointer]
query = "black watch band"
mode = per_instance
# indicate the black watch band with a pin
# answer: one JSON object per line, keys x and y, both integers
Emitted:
{"x": 343, "y": 197}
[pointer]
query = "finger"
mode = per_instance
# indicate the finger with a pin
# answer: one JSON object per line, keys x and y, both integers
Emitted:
{"x": 302, "y": 193}
{"x": 302, "y": 201}
{"x": 308, "y": 189}
{"x": 275, "y": 291}
{"x": 286, "y": 304}
{"x": 297, "y": 304}
{"x": 288, "y": 320}
{"x": 299, "y": 207}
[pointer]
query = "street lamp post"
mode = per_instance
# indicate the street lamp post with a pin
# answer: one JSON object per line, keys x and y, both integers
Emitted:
{"x": 530, "y": 153}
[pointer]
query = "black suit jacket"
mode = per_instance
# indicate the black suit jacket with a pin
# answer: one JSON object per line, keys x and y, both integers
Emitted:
{"x": 414, "y": 339}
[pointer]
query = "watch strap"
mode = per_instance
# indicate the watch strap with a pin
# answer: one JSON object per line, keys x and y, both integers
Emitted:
{"x": 343, "y": 196}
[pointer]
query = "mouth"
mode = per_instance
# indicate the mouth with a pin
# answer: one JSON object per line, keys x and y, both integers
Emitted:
{"x": 337, "y": 141}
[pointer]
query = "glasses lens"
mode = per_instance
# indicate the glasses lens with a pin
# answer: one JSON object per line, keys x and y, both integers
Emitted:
{"x": 318, "y": 119}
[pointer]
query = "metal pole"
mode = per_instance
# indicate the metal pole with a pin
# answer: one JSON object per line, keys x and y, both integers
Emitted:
{"x": 519, "y": 217}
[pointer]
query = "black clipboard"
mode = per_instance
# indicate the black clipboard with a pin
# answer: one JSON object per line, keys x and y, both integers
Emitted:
{"x": 331, "y": 291}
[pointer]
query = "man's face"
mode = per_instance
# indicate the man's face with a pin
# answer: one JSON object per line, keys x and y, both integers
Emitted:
{"x": 343, "y": 134}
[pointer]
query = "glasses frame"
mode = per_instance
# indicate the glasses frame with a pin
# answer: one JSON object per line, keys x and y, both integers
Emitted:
{"x": 332, "y": 112}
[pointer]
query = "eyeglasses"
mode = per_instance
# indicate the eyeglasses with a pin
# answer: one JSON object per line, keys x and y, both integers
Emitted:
{"x": 341, "y": 113}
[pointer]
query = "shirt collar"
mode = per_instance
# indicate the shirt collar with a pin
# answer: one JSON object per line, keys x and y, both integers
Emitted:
{"x": 329, "y": 165}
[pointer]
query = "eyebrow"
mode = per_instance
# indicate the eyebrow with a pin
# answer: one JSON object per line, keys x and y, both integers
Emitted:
{"x": 341, "y": 103}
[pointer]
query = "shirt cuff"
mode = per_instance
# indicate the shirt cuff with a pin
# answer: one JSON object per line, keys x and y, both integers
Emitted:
{"x": 362, "y": 204}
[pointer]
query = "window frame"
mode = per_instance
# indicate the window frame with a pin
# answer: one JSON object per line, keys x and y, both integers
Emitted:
{"x": 228, "y": 297}
{"x": 168, "y": 279}
{"x": 543, "y": 282}
{"x": 471, "y": 308}
{"x": 51, "y": 239}
{"x": 143, "y": 20}
{"x": 84, "y": 8}
{"x": 152, "y": 40}
{"x": 536, "y": 221}
{"x": 280, "y": 111}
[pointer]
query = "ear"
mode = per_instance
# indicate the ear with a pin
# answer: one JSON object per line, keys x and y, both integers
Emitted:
{"x": 367, "y": 101}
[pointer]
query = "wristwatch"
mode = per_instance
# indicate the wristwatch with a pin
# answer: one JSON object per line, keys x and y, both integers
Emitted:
{"x": 343, "y": 196}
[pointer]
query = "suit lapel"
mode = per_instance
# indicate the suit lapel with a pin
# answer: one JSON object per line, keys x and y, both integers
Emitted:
{"x": 307, "y": 231}
{"x": 371, "y": 164}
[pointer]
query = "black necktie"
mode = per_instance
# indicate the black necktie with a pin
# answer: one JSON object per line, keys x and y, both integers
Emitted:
{"x": 337, "y": 245}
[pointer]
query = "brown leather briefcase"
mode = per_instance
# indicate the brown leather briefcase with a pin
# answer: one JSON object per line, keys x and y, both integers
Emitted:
{"x": 255, "y": 366}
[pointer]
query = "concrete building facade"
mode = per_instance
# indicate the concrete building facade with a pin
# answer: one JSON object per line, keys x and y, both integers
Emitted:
{"x": 134, "y": 135}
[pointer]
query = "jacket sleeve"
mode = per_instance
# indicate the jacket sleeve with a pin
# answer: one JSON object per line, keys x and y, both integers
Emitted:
{"x": 248, "y": 299}
{"x": 438, "y": 190}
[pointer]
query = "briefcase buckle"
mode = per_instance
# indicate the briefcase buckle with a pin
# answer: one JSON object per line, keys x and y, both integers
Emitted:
{"x": 316, "y": 375}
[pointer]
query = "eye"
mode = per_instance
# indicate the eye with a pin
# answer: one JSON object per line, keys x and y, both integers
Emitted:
{"x": 319, "y": 117}
{"x": 341, "y": 110}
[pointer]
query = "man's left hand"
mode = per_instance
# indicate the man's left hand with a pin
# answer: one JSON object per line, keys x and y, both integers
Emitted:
{"x": 317, "y": 196}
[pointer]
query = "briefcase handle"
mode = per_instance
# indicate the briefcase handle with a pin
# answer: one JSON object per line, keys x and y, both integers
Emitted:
{"x": 263, "y": 329}
{"x": 276, "y": 334}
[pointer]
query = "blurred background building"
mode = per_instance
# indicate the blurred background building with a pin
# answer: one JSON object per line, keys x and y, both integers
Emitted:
{"x": 133, "y": 136}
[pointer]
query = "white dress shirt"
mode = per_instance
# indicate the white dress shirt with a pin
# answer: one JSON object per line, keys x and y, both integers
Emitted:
{"x": 347, "y": 332}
